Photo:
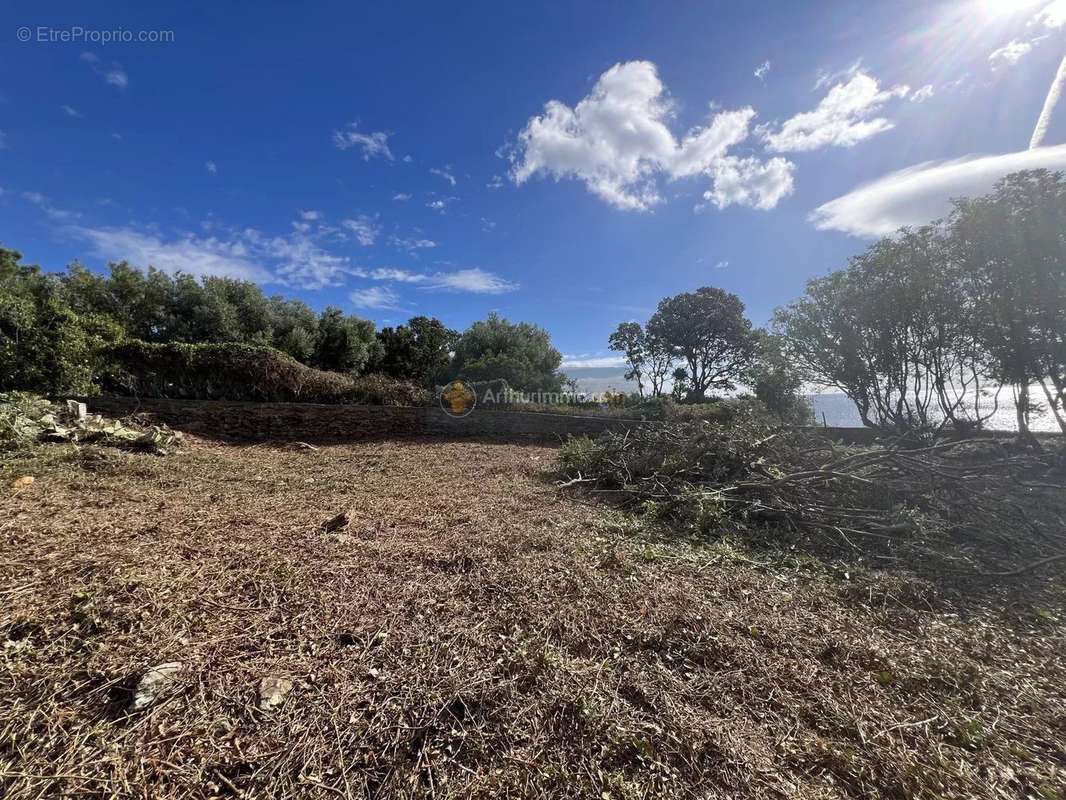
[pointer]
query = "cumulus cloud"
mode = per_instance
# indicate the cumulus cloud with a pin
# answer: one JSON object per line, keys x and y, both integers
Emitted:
{"x": 762, "y": 71}
{"x": 843, "y": 118}
{"x": 310, "y": 215}
{"x": 916, "y": 195}
{"x": 364, "y": 228}
{"x": 617, "y": 142}
{"x": 211, "y": 167}
{"x": 401, "y": 197}
{"x": 376, "y": 297}
{"x": 1010, "y": 54}
{"x": 372, "y": 144}
{"x": 750, "y": 182}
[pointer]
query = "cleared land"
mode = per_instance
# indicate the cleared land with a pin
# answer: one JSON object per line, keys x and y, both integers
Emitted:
{"x": 474, "y": 632}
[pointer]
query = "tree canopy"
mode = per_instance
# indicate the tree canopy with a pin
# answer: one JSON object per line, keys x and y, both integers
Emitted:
{"x": 520, "y": 353}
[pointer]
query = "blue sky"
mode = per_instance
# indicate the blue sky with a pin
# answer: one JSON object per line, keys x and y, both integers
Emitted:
{"x": 402, "y": 159}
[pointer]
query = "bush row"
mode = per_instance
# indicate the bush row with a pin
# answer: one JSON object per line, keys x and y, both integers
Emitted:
{"x": 242, "y": 372}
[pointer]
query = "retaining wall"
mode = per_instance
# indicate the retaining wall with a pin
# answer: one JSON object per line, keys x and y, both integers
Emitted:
{"x": 309, "y": 422}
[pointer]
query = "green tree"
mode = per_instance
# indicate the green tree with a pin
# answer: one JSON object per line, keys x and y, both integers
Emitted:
{"x": 707, "y": 330}
{"x": 45, "y": 345}
{"x": 419, "y": 351}
{"x": 344, "y": 343}
{"x": 520, "y": 353}
{"x": 1011, "y": 246}
{"x": 776, "y": 382}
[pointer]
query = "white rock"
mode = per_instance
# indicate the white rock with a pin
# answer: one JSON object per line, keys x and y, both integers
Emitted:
{"x": 77, "y": 410}
{"x": 272, "y": 692}
{"x": 152, "y": 684}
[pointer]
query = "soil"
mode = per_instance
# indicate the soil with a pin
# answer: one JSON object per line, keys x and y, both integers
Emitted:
{"x": 461, "y": 628}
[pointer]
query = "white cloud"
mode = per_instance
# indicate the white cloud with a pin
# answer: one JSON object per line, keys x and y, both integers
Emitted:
{"x": 762, "y": 71}
{"x": 616, "y": 140}
{"x": 1051, "y": 101}
{"x": 923, "y": 94}
{"x": 1010, "y": 54}
{"x": 413, "y": 244}
{"x": 592, "y": 362}
{"x": 750, "y": 182}
{"x": 444, "y": 173}
{"x": 211, "y": 167}
{"x": 826, "y": 77}
{"x": 440, "y": 204}
{"x": 1053, "y": 15}
{"x": 70, "y": 112}
{"x": 114, "y": 75}
{"x": 43, "y": 203}
{"x": 841, "y": 119}
{"x": 310, "y": 215}
{"x": 722, "y": 265}
{"x": 497, "y": 182}
{"x": 372, "y": 144}
{"x": 378, "y": 297}
{"x": 473, "y": 280}
{"x": 920, "y": 194}
{"x": 365, "y": 229}
{"x": 401, "y": 197}
{"x": 189, "y": 254}
{"x": 298, "y": 258}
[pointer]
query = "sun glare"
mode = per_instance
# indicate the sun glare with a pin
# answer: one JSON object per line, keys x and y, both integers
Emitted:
{"x": 1002, "y": 8}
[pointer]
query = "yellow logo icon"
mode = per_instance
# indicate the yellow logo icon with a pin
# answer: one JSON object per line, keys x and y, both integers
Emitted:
{"x": 457, "y": 399}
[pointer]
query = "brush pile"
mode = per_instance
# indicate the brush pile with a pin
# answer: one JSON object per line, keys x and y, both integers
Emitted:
{"x": 968, "y": 505}
{"x": 26, "y": 419}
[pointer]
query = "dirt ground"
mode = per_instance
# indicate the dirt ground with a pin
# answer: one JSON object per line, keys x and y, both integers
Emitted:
{"x": 474, "y": 632}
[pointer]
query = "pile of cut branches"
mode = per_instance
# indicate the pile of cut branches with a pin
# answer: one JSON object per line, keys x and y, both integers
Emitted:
{"x": 26, "y": 419}
{"x": 974, "y": 504}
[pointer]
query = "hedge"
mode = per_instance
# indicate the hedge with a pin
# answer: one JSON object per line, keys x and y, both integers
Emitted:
{"x": 243, "y": 372}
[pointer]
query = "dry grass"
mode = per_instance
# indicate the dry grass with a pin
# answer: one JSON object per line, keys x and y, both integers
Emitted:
{"x": 472, "y": 632}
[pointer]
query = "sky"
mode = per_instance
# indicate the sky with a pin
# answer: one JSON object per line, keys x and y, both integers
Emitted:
{"x": 568, "y": 164}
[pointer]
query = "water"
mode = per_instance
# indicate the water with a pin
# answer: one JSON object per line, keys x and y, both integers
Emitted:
{"x": 840, "y": 412}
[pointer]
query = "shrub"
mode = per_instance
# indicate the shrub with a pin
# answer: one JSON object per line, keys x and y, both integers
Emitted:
{"x": 222, "y": 371}
{"x": 381, "y": 390}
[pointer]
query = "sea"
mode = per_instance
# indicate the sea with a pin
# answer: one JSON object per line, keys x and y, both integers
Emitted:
{"x": 838, "y": 411}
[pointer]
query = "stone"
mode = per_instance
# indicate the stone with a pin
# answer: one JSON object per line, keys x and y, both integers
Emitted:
{"x": 272, "y": 692}
{"x": 152, "y": 684}
{"x": 77, "y": 410}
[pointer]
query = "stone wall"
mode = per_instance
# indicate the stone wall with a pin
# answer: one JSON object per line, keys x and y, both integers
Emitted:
{"x": 325, "y": 423}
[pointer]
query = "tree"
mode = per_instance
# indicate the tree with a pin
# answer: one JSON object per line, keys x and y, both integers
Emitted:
{"x": 419, "y": 351}
{"x": 630, "y": 341}
{"x": 520, "y": 353}
{"x": 344, "y": 344}
{"x": 776, "y": 382}
{"x": 893, "y": 332}
{"x": 45, "y": 345}
{"x": 1011, "y": 244}
{"x": 708, "y": 331}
